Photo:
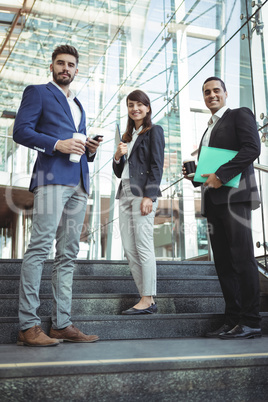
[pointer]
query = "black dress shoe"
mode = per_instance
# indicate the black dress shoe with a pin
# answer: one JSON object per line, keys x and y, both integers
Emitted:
{"x": 241, "y": 332}
{"x": 133, "y": 311}
{"x": 222, "y": 330}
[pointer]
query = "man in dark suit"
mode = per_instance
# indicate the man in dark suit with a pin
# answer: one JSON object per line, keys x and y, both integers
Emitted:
{"x": 228, "y": 211}
{"x": 47, "y": 118}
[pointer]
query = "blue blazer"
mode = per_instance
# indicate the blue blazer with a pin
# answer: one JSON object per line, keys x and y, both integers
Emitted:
{"x": 43, "y": 118}
{"x": 145, "y": 164}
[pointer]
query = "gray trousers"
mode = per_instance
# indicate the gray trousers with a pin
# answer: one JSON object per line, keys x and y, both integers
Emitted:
{"x": 137, "y": 238}
{"x": 59, "y": 213}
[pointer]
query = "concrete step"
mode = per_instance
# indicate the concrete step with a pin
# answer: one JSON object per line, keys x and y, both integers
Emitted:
{"x": 96, "y": 304}
{"x": 116, "y": 327}
{"x": 160, "y": 370}
{"x": 9, "y": 284}
{"x": 189, "y": 300}
{"x": 103, "y": 267}
{"x": 99, "y": 304}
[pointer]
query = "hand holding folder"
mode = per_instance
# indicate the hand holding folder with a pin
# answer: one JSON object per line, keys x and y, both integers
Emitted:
{"x": 117, "y": 140}
{"x": 117, "y": 137}
{"x": 210, "y": 159}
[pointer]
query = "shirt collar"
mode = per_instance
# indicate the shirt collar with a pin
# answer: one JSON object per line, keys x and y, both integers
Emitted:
{"x": 216, "y": 116}
{"x": 221, "y": 111}
{"x": 137, "y": 131}
{"x": 70, "y": 96}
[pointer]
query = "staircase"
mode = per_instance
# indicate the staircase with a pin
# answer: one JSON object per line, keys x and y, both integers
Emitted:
{"x": 189, "y": 302}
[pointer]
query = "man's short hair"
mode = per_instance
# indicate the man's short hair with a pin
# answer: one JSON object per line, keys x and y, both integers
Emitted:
{"x": 65, "y": 49}
{"x": 215, "y": 79}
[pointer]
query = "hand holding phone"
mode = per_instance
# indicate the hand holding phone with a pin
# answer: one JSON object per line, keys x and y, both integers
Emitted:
{"x": 97, "y": 137}
{"x": 92, "y": 146}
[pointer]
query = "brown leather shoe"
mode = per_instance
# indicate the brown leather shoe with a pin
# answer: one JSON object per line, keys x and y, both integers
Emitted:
{"x": 72, "y": 334}
{"x": 35, "y": 336}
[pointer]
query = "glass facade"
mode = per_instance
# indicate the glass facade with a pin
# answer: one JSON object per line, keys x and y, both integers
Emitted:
{"x": 166, "y": 48}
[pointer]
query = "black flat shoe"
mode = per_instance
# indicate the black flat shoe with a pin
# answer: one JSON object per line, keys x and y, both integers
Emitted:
{"x": 134, "y": 311}
{"x": 242, "y": 332}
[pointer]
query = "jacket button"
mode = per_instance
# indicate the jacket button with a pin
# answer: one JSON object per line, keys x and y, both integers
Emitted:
{"x": 141, "y": 172}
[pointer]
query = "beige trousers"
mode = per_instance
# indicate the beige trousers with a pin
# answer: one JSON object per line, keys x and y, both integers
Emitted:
{"x": 137, "y": 238}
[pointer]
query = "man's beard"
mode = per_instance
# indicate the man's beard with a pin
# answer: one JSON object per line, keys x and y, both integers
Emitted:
{"x": 62, "y": 81}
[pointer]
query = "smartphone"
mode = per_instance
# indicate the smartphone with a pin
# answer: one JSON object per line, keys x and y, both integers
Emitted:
{"x": 97, "y": 137}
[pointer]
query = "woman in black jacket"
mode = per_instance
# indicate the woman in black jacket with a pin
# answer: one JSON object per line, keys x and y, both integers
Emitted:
{"x": 139, "y": 161}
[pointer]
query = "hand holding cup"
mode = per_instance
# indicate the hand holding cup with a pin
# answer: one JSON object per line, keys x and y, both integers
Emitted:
{"x": 75, "y": 158}
{"x": 189, "y": 168}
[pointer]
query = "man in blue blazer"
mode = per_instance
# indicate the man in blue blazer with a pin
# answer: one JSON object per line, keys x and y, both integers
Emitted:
{"x": 228, "y": 211}
{"x": 46, "y": 120}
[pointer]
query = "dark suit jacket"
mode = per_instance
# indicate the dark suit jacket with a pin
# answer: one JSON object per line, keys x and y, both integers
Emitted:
{"x": 43, "y": 118}
{"x": 145, "y": 164}
{"x": 236, "y": 130}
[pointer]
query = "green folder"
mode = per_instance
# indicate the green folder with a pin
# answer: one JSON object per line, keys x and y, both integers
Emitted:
{"x": 210, "y": 159}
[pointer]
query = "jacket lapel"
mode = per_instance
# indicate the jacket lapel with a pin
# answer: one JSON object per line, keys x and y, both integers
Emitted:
{"x": 200, "y": 145}
{"x": 83, "y": 116}
{"x": 61, "y": 98}
{"x": 138, "y": 141}
{"x": 217, "y": 125}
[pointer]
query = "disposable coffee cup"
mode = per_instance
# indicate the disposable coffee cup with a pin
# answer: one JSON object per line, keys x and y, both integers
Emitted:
{"x": 190, "y": 167}
{"x": 75, "y": 157}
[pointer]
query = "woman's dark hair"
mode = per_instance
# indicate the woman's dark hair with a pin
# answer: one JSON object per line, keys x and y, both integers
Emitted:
{"x": 138, "y": 96}
{"x": 65, "y": 49}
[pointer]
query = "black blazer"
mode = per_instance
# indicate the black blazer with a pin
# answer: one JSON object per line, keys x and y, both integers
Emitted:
{"x": 236, "y": 130}
{"x": 145, "y": 164}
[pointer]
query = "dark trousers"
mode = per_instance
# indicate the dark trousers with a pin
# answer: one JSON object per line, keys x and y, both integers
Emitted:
{"x": 231, "y": 240}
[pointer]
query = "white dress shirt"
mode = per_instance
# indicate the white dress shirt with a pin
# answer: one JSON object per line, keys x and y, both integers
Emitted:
{"x": 211, "y": 124}
{"x": 135, "y": 133}
{"x": 75, "y": 109}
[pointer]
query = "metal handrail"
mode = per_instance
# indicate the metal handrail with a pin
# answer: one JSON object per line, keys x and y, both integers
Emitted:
{"x": 258, "y": 166}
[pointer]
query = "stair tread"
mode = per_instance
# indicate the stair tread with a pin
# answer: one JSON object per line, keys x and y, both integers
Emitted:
{"x": 192, "y": 369}
{"x": 121, "y": 277}
{"x": 125, "y": 295}
{"x": 129, "y": 317}
{"x": 114, "y": 262}
{"x": 182, "y": 353}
